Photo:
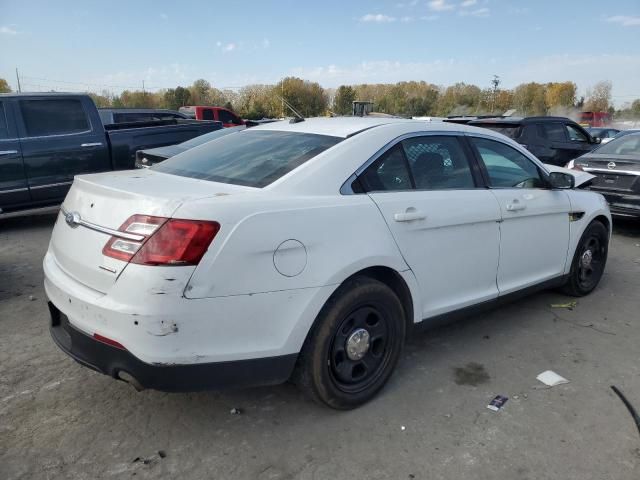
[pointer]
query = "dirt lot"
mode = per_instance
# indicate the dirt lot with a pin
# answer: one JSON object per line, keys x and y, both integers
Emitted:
{"x": 60, "y": 420}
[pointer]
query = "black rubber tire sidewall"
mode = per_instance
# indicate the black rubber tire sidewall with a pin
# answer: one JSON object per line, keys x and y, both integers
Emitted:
{"x": 313, "y": 374}
{"x": 573, "y": 287}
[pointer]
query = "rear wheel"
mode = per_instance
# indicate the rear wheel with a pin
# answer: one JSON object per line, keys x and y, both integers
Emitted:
{"x": 589, "y": 260}
{"x": 354, "y": 345}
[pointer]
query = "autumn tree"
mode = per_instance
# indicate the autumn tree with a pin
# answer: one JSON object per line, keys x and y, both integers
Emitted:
{"x": 4, "y": 86}
{"x": 343, "y": 101}
{"x": 307, "y": 98}
{"x": 175, "y": 98}
{"x": 560, "y": 95}
{"x": 598, "y": 97}
{"x": 530, "y": 99}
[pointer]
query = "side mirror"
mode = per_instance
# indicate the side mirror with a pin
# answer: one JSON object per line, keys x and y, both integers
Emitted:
{"x": 597, "y": 140}
{"x": 561, "y": 180}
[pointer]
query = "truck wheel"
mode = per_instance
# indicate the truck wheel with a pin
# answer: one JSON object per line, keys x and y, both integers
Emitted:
{"x": 354, "y": 345}
{"x": 589, "y": 260}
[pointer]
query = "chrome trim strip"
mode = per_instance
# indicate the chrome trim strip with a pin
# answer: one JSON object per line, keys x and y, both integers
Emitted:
{"x": 8, "y": 152}
{"x": 602, "y": 170}
{"x": 101, "y": 229}
{"x": 93, "y": 144}
{"x": 51, "y": 185}
{"x": 14, "y": 190}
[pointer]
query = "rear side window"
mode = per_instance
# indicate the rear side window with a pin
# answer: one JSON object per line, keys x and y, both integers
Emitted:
{"x": 254, "y": 158}
{"x": 506, "y": 167}
{"x": 554, "y": 131}
{"x": 438, "y": 163}
{"x": 53, "y": 117}
{"x": 511, "y": 131}
{"x": 227, "y": 117}
{"x": 388, "y": 173}
{"x": 207, "y": 114}
{"x": 4, "y": 127}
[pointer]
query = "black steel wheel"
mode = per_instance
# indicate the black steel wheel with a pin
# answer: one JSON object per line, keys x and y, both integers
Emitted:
{"x": 354, "y": 345}
{"x": 589, "y": 260}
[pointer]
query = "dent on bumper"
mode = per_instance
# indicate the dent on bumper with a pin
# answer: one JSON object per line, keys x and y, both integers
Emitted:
{"x": 119, "y": 363}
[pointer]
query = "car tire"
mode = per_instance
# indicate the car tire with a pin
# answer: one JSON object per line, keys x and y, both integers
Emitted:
{"x": 588, "y": 261}
{"x": 354, "y": 345}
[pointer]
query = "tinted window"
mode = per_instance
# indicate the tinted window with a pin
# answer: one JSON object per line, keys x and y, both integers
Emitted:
{"x": 133, "y": 117}
{"x": 511, "y": 131}
{"x": 207, "y": 114}
{"x": 576, "y": 135}
{"x": 53, "y": 117}
{"x": 389, "y": 172}
{"x": 506, "y": 166}
{"x": 625, "y": 145}
{"x": 227, "y": 117}
{"x": 438, "y": 163}
{"x": 253, "y": 158}
{"x": 554, "y": 132}
{"x": 4, "y": 128}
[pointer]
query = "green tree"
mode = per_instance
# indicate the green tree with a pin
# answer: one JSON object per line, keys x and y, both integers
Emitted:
{"x": 4, "y": 86}
{"x": 343, "y": 101}
{"x": 175, "y": 98}
{"x": 308, "y": 98}
{"x": 530, "y": 99}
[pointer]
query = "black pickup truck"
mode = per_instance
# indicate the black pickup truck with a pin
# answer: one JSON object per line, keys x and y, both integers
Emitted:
{"x": 48, "y": 138}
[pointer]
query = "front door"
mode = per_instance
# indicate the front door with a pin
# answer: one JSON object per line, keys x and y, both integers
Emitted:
{"x": 534, "y": 232}
{"x": 445, "y": 226}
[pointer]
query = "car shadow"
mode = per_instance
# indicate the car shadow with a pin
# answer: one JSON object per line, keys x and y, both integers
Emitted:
{"x": 626, "y": 226}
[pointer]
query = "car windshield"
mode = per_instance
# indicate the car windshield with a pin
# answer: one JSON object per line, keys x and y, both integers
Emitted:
{"x": 511, "y": 131}
{"x": 254, "y": 158}
{"x": 625, "y": 145}
{"x": 207, "y": 137}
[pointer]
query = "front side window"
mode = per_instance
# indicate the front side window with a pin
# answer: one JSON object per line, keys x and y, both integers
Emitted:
{"x": 227, "y": 117}
{"x": 53, "y": 117}
{"x": 4, "y": 127}
{"x": 554, "y": 131}
{"x": 254, "y": 158}
{"x": 506, "y": 167}
{"x": 389, "y": 172}
{"x": 576, "y": 135}
{"x": 438, "y": 163}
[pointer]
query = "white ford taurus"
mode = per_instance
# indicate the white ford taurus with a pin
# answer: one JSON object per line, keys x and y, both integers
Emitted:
{"x": 307, "y": 250}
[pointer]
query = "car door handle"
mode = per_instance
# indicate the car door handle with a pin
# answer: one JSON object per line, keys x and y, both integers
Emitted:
{"x": 516, "y": 206}
{"x": 409, "y": 216}
{"x": 94, "y": 144}
{"x": 8, "y": 152}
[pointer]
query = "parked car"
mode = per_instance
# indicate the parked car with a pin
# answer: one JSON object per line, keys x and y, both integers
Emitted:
{"x": 221, "y": 114}
{"x": 604, "y": 134}
{"x": 48, "y": 138}
{"x": 616, "y": 167}
{"x": 147, "y": 158}
{"x": 126, "y": 115}
{"x": 622, "y": 133}
{"x": 554, "y": 140}
{"x": 308, "y": 250}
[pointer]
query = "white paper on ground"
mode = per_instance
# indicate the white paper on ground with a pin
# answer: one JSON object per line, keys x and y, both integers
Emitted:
{"x": 551, "y": 378}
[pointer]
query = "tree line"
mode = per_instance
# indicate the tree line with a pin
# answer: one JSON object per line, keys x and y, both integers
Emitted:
{"x": 410, "y": 98}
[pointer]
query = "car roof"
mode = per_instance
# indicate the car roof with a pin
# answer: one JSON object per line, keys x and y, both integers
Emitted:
{"x": 345, "y": 127}
{"x": 519, "y": 120}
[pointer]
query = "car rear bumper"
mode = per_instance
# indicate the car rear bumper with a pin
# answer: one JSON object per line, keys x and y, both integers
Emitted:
{"x": 620, "y": 203}
{"x": 121, "y": 364}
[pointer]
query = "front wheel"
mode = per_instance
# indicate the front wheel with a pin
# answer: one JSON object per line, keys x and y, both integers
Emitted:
{"x": 354, "y": 345}
{"x": 589, "y": 260}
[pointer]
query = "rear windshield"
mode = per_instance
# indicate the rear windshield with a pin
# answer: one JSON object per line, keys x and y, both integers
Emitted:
{"x": 625, "y": 145}
{"x": 254, "y": 158}
{"x": 511, "y": 131}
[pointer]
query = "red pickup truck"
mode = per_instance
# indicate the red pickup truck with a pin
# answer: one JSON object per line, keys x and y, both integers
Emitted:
{"x": 221, "y": 114}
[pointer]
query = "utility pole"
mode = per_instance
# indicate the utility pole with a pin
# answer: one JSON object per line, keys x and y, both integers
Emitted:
{"x": 496, "y": 83}
{"x": 18, "y": 79}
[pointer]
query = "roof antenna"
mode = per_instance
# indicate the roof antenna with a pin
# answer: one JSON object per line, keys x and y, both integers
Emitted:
{"x": 298, "y": 118}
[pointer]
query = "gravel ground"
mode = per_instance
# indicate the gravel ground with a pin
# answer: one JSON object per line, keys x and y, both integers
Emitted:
{"x": 60, "y": 420}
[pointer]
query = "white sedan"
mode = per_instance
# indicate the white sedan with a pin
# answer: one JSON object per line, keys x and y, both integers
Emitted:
{"x": 307, "y": 251}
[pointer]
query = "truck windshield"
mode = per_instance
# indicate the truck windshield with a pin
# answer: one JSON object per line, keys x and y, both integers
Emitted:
{"x": 250, "y": 158}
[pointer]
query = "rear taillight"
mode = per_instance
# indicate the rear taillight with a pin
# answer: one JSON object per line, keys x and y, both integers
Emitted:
{"x": 163, "y": 241}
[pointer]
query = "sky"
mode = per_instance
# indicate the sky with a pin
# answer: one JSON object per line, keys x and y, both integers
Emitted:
{"x": 115, "y": 44}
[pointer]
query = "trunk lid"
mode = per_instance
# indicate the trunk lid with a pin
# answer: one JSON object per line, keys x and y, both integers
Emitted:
{"x": 107, "y": 200}
{"x": 613, "y": 172}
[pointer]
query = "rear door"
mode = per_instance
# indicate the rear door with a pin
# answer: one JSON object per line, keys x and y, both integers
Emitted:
{"x": 534, "y": 232}
{"x": 444, "y": 222}
{"x": 13, "y": 181}
{"x": 557, "y": 150}
{"x": 58, "y": 142}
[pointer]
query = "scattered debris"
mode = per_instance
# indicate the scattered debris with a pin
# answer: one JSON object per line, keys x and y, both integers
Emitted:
{"x": 632, "y": 411}
{"x": 516, "y": 397}
{"x": 403, "y": 428}
{"x": 551, "y": 378}
{"x": 162, "y": 454}
{"x": 472, "y": 373}
{"x": 32, "y": 298}
{"x": 235, "y": 411}
{"x": 447, "y": 415}
{"x": 569, "y": 305}
{"x": 486, "y": 337}
{"x": 497, "y": 403}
